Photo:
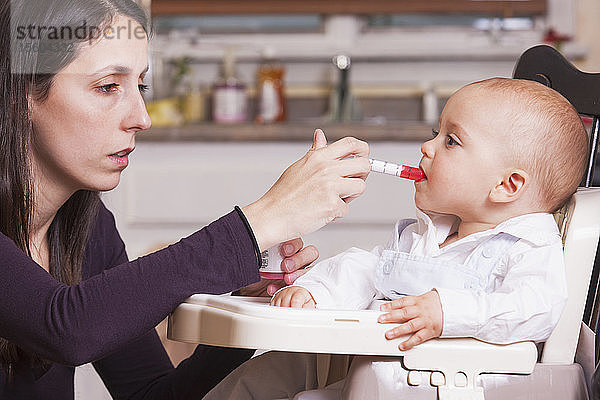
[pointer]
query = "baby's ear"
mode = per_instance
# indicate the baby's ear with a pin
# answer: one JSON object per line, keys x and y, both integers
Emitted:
{"x": 510, "y": 188}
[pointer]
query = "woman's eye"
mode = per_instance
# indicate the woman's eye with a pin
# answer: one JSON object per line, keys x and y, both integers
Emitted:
{"x": 450, "y": 141}
{"x": 143, "y": 88}
{"x": 434, "y": 132}
{"x": 110, "y": 88}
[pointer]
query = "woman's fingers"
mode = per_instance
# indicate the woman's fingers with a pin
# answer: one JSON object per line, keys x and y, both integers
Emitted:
{"x": 356, "y": 167}
{"x": 296, "y": 259}
{"x": 354, "y": 172}
{"x": 291, "y": 247}
{"x": 345, "y": 147}
{"x": 351, "y": 187}
{"x": 291, "y": 277}
{"x": 340, "y": 211}
{"x": 319, "y": 140}
{"x": 300, "y": 259}
{"x": 272, "y": 288}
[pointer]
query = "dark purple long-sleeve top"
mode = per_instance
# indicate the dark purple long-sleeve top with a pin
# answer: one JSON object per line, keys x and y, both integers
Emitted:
{"x": 109, "y": 317}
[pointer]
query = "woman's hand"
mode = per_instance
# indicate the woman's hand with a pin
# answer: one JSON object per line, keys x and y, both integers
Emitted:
{"x": 296, "y": 258}
{"x": 311, "y": 192}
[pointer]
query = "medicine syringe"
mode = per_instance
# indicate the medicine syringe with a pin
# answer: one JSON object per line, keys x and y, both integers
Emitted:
{"x": 403, "y": 171}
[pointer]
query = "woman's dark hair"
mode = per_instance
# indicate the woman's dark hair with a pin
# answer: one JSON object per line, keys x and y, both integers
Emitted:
{"x": 37, "y": 40}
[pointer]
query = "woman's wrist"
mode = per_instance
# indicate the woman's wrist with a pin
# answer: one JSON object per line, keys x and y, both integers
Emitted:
{"x": 257, "y": 250}
{"x": 262, "y": 224}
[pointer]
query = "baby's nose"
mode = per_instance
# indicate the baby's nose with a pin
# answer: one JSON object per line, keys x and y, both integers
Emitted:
{"x": 427, "y": 148}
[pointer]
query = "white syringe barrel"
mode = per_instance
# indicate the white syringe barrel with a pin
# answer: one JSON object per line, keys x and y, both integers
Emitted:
{"x": 385, "y": 167}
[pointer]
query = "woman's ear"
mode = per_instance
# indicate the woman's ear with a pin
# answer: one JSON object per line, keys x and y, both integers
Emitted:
{"x": 511, "y": 187}
{"x": 32, "y": 106}
{"x": 30, "y": 102}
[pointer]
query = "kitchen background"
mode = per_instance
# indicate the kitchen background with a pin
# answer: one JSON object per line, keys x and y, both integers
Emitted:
{"x": 237, "y": 88}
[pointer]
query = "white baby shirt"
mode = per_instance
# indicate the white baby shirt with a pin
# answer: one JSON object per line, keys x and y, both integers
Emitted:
{"x": 521, "y": 297}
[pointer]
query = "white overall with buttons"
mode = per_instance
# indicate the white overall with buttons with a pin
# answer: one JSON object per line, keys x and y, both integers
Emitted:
{"x": 501, "y": 285}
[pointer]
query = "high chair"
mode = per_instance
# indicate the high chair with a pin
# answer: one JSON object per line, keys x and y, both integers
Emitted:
{"x": 562, "y": 370}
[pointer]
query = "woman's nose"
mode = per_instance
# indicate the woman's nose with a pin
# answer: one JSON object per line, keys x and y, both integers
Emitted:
{"x": 138, "y": 118}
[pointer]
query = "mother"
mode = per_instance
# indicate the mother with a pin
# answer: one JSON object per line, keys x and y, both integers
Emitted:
{"x": 71, "y": 73}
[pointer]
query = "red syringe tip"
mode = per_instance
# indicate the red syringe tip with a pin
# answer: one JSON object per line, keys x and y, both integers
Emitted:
{"x": 415, "y": 174}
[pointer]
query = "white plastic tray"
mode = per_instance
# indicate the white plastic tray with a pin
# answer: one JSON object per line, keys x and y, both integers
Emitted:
{"x": 249, "y": 322}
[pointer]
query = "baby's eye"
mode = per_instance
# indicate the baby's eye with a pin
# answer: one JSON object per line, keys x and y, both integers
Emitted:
{"x": 434, "y": 132}
{"x": 450, "y": 141}
{"x": 143, "y": 88}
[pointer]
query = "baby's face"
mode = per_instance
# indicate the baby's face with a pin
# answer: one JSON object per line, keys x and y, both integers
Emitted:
{"x": 464, "y": 161}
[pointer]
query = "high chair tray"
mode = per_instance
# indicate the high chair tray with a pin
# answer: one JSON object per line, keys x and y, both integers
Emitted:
{"x": 249, "y": 322}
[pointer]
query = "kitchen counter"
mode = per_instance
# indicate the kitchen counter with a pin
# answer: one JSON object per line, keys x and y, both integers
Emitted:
{"x": 288, "y": 132}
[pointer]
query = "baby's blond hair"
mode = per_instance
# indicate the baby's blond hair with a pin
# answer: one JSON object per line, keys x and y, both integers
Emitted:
{"x": 547, "y": 138}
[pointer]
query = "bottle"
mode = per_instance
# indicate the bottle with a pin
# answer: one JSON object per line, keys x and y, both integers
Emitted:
{"x": 192, "y": 105}
{"x": 270, "y": 267}
{"x": 229, "y": 93}
{"x": 431, "y": 112}
{"x": 191, "y": 100}
{"x": 270, "y": 92}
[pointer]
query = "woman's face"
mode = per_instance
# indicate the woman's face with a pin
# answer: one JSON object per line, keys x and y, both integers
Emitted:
{"x": 86, "y": 127}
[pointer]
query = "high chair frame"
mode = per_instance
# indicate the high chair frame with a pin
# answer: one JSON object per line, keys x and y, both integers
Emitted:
{"x": 455, "y": 363}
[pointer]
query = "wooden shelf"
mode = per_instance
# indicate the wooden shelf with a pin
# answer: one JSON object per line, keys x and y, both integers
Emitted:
{"x": 288, "y": 132}
{"x": 506, "y": 8}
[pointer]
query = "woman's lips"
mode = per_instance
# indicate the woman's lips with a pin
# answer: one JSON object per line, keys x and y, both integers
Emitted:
{"x": 121, "y": 161}
{"x": 123, "y": 152}
{"x": 121, "y": 158}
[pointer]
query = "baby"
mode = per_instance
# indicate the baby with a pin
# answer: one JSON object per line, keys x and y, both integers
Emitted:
{"x": 483, "y": 258}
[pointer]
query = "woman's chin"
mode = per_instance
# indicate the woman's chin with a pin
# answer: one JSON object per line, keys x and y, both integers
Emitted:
{"x": 106, "y": 184}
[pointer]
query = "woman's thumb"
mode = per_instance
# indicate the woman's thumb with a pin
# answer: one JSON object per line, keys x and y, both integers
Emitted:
{"x": 319, "y": 140}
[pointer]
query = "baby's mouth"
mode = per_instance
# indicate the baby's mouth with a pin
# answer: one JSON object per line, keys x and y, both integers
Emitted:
{"x": 423, "y": 177}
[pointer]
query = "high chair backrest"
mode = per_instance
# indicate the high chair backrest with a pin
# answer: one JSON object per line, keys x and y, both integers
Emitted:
{"x": 546, "y": 65}
{"x": 581, "y": 225}
{"x": 581, "y": 231}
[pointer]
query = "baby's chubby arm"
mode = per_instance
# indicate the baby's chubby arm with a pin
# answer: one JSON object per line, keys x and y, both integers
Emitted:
{"x": 344, "y": 281}
{"x": 418, "y": 316}
{"x": 293, "y": 296}
{"x": 526, "y": 305}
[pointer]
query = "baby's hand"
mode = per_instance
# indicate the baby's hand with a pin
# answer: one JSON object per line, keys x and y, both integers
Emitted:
{"x": 293, "y": 296}
{"x": 419, "y": 315}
